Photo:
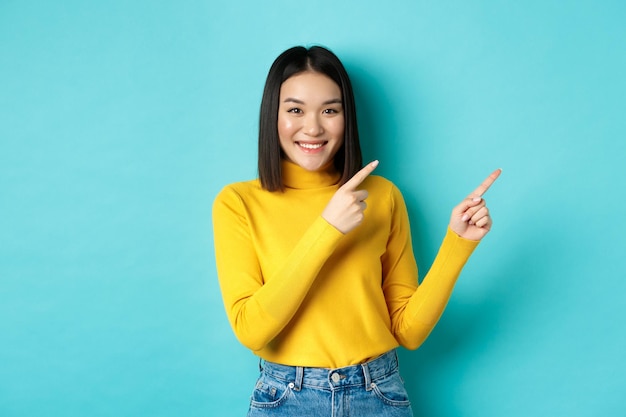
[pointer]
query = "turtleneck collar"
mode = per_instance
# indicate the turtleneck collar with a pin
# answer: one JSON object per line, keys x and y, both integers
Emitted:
{"x": 294, "y": 176}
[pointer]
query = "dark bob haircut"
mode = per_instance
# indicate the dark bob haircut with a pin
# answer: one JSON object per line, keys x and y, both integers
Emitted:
{"x": 296, "y": 60}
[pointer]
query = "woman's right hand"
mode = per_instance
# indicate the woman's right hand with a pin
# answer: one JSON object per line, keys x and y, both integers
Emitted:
{"x": 345, "y": 209}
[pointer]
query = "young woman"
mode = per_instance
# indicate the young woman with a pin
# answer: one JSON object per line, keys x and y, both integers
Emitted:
{"x": 314, "y": 258}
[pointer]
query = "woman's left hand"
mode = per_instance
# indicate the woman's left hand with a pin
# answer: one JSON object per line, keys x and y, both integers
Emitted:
{"x": 471, "y": 219}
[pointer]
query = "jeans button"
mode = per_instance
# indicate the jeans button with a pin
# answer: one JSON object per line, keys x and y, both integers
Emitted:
{"x": 335, "y": 377}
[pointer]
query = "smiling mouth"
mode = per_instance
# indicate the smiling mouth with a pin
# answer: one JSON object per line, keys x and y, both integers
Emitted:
{"x": 311, "y": 146}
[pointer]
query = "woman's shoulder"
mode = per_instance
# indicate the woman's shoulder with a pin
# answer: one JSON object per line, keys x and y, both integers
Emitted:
{"x": 239, "y": 189}
{"x": 378, "y": 183}
{"x": 383, "y": 189}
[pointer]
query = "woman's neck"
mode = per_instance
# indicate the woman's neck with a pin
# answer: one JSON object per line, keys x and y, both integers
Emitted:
{"x": 294, "y": 176}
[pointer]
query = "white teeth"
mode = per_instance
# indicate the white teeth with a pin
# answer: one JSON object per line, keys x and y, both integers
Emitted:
{"x": 311, "y": 145}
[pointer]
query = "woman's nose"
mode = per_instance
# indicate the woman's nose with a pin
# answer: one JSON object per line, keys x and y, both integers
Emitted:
{"x": 312, "y": 125}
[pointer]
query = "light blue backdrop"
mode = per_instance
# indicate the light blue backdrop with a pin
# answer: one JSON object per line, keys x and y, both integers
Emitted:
{"x": 120, "y": 121}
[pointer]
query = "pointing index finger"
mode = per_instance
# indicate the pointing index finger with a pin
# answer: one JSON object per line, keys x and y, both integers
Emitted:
{"x": 360, "y": 176}
{"x": 482, "y": 188}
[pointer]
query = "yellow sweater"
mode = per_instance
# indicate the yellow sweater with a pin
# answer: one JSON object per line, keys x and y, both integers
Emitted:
{"x": 299, "y": 292}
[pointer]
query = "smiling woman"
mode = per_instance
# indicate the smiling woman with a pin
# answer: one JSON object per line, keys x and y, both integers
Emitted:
{"x": 289, "y": 244}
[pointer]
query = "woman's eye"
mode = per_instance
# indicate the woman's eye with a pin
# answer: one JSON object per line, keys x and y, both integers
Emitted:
{"x": 331, "y": 111}
{"x": 294, "y": 110}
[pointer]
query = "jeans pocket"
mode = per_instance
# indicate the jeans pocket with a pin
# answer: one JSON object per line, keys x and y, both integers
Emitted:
{"x": 269, "y": 392}
{"x": 390, "y": 389}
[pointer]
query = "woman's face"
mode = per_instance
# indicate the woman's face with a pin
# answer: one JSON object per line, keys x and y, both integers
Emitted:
{"x": 310, "y": 119}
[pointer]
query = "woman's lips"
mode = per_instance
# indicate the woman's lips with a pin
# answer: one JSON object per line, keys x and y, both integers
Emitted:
{"x": 311, "y": 146}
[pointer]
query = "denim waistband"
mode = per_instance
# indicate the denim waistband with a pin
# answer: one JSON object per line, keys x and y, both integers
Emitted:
{"x": 364, "y": 374}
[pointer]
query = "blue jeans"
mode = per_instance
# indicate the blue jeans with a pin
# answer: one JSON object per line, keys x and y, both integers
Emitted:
{"x": 373, "y": 388}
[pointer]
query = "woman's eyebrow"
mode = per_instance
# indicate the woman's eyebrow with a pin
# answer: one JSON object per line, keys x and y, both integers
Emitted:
{"x": 298, "y": 101}
{"x": 333, "y": 101}
{"x": 293, "y": 100}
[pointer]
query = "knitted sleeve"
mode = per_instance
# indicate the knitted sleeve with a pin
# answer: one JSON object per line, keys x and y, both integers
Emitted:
{"x": 415, "y": 309}
{"x": 259, "y": 307}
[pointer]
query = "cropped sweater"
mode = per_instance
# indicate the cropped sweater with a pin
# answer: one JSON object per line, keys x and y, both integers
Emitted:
{"x": 299, "y": 292}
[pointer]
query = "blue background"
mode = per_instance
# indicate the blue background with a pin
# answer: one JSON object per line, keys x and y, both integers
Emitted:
{"x": 120, "y": 121}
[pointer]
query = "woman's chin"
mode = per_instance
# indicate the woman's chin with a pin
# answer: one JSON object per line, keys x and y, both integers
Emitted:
{"x": 312, "y": 164}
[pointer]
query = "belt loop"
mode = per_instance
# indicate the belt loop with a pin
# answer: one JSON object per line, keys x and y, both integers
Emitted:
{"x": 299, "y": 378}
{"x": 396, "y": 360}
{"x": 368, "y": 378}
{"x": 260, "y": 365}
